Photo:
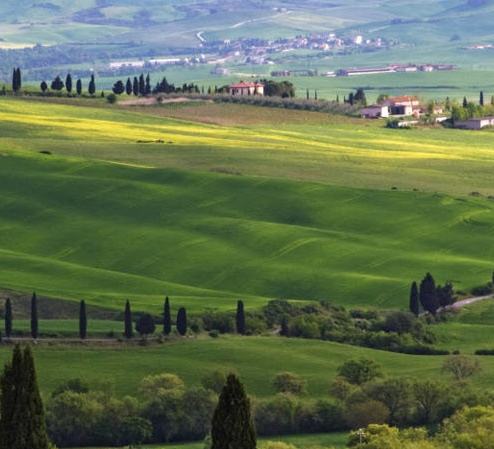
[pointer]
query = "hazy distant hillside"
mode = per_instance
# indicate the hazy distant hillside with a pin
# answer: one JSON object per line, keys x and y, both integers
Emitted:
{"x": 105, "y": 30}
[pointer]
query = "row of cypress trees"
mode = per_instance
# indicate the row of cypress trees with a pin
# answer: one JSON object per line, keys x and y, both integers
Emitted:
{"x": 145, "y": 325}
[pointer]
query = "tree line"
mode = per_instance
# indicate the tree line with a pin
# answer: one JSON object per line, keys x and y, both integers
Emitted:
{"x": 77, "y": 417}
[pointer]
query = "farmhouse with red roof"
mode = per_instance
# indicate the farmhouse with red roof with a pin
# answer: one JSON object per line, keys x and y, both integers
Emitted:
{"x": 246, "y": 88}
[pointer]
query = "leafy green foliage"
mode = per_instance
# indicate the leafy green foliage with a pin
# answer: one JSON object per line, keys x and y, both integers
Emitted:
{"x": 360, "y": 371}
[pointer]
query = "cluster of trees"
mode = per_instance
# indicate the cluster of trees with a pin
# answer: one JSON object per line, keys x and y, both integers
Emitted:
{"x": 77, "y": 417}
{"x": 468, "y": 427}
{"x": 429, "y": 296}
{"x": 58, "y": 84}
{"x": 166, "y": 410}
{"x": 469, "y": 109}
{"x": 388, "y": 330}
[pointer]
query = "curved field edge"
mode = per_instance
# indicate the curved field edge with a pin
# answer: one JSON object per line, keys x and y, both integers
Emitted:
{"x": 80, "y": 229}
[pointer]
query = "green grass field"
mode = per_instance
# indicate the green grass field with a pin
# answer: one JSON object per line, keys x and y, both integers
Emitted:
{"x": 324, "y": 210}
{"x": 236, "y": 203}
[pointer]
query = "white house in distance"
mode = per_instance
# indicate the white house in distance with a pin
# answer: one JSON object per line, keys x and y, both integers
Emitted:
{"x": 394, "y": 106}
{"x": 246, "y": 88}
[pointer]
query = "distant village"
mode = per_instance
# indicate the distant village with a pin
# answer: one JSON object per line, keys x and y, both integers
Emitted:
{"x": 254, "y": 51}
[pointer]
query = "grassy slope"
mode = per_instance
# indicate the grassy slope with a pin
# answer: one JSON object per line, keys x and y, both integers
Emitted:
{"x": 82, "y": 229}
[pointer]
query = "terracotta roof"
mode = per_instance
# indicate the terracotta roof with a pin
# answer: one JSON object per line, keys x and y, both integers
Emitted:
{"x": 403, "y": 99}
{"x": 244, "y": 84}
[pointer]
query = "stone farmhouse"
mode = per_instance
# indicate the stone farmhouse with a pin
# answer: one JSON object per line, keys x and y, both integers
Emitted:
{"x": 394, "y": 106}
{"x": 246, "y": 88}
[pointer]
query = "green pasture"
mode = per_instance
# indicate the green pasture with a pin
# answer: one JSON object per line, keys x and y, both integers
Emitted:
{"x": 105, "y": 218}
{"x": 255, "y": 359}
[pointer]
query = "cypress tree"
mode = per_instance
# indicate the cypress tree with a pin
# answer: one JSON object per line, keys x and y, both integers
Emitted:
{"x": 82, "y": 320}
{"x": 34, "y": 316}
{"x": 22, "y": 422}
{"x": 148, "y": 85}
{"x": 43, "y": 86}
{"x": 128, "y": 332}
{"x": 481, "y": 98}
{"x": 414, "y": 299}
{"x": 135, "y": 87}
{"x": 78, "y": 86}
{"x": 182, "y": 321}
{"x": 128, "y": 87}
{"x": 68, "y": 83}
{"x": 232, "y": 425}
{"x": 8, "y": 318}
{"x": 92, "y": 86}
{"x": 142, "y": 85}
{"x": 167, "y": 320}
{"x": 428, "y": 294}
{"x": 240, "y": 318}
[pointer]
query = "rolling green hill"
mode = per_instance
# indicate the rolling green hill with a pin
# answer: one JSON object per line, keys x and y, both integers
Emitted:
{"x": 105, "y": 218}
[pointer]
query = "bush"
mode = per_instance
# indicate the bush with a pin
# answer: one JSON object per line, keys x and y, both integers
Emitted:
{"x": 111, "y": 98}
{"x": 288, "y": 382}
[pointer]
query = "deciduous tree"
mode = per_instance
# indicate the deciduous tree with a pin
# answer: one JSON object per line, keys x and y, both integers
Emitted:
{"x": 461, "y": 366}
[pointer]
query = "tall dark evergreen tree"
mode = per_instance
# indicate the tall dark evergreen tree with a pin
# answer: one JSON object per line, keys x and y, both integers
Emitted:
{"x": 445, "y": 294}
{"x": 145, "y": 324}
{"x": 414, "y": 299}
{"x": 68, "y": 83}
{"x": 92, "y": 86}
{"x": 22, "y": 421}
{"x": 142, "y": 85}
{"x": 57, "y": 84}
{"x": 118, "y": 88}
{"x": 148, "y": 85}
{"x": 135, "y": 87}
{"x": 481, "y": 98}
{"x": 16, "y": 79}
{"x": 128, "y": 332}
{"x": 182, "y": 321}
{"x": 43, "y": 86}
{"x": 34, "y": 316}
{"x": 240, "y": 318}
{"x": 232, "y": 425}
{"x": 128, "y": 87}
{"x": 78, "y": 86}
{"x": 82, "y": 320}
{"x": 465, "y": 102}
{"x": 167, "y": 319}
{"x": 8, "y": 318}
{"x": 428, "y": 294}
